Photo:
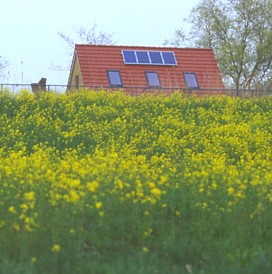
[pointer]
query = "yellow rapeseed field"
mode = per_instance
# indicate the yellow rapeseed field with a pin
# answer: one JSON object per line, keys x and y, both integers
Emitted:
{"x": 93, "y": 174}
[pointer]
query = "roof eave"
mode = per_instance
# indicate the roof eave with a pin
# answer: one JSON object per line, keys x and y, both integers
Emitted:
{"x": 72, "y": 67}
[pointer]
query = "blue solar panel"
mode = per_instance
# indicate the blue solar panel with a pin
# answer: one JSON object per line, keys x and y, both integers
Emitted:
{"x": 129, "y": 57}
{"x": 163, "y": 58}
{"x": 155, "y": 57}
{"x": 142, "y": 57}
{"x": 169, "y": 58}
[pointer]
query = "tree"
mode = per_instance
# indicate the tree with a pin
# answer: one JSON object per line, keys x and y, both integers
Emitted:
{"x": 239, "y": 32}
{"x": 85, "y": 35}
{"x": 89, "y": 36}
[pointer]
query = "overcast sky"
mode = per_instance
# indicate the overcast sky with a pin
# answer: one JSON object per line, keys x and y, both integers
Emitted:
{"x": 29, "y": 30}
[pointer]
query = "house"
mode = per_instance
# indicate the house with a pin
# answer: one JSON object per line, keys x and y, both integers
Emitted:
{"x": 142, "y": 69}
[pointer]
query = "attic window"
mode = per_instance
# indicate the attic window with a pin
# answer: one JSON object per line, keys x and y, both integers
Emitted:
{"x": 190, "y": 79}
{"x": 153, "y": 78}
{"x": 114, "y": 77}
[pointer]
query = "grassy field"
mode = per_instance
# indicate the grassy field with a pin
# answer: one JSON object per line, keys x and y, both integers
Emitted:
{"x": 107, "y": 183}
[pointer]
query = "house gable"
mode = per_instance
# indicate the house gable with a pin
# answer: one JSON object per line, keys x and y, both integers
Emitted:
{"x": 75, "y": 77}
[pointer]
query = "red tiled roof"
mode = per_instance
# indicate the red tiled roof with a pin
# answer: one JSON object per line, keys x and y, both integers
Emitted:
{"x": 95, "y": 60}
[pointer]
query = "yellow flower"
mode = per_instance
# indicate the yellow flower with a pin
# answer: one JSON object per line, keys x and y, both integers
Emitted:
{"x": 98, "y": 205}
{"x": 33, "y": 260}
{"x": 145, "y": 249}
{"x": 230, "y": 190}
{"x": 214, "y": 185}
{"x": 151, "y": 185}
{"x": 148, "y": 232}
{"x": 16, "y": 227}
{"x": 163, "y": 180}
{"x": 140, "y": 194}
{"x": 74, "y": 183}
{"x": 12, "y": 210}
{"x": 24, "y": 207}
{"x": 74, "y": 196}
{"x": 56, "y": 248}
{"x": 177, "y": 213}
{"x": 92, "y": 186}
{"x": 29, "y": 196}
{"x": 201, "y": 189}
{"x": 155, "y": 191}
{"x": 72, "y": 231}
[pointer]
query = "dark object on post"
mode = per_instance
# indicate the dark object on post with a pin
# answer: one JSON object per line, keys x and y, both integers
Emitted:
{"x": 38, "y": 87}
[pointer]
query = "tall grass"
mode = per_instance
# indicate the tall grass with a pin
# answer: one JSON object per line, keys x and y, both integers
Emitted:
{"x": 107, "y": 183}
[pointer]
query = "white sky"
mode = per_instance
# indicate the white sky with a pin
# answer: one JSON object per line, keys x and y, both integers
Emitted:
{"x": 29, "y": 30}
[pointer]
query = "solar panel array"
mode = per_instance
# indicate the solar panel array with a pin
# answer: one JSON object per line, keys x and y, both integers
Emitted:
{"x": 140, "y": 57}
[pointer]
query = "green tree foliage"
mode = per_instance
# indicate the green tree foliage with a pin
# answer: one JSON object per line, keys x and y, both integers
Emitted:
{"x": 240, "y": 33}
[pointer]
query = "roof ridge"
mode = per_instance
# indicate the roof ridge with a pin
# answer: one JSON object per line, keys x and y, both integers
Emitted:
{"x": 147, "y": 47}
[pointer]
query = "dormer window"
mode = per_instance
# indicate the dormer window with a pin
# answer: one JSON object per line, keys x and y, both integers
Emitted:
{"x": 153, "y": 78}
{"x": 114, "y": 78}
{"x": 190, "y": 80}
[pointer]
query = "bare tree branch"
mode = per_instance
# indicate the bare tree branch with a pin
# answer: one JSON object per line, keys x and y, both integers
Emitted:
{"x": 84, "y": 35}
